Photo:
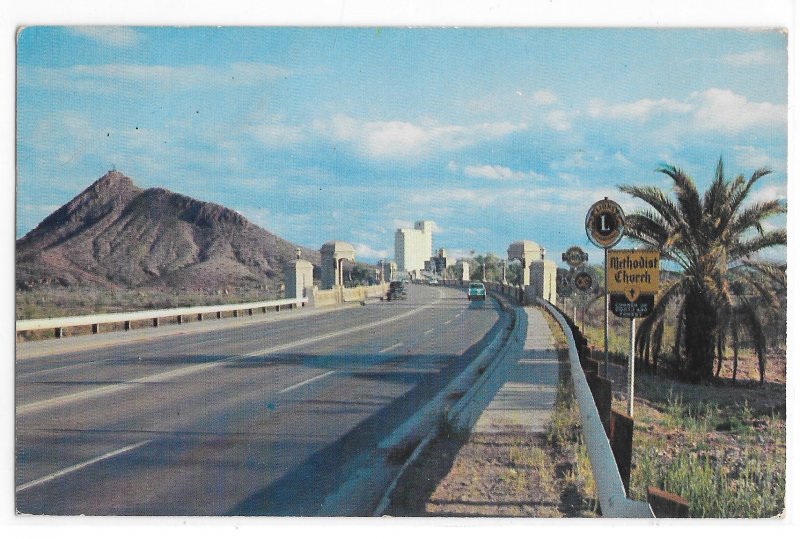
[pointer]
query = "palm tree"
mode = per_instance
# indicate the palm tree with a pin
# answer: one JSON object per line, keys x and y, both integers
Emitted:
{"x": 714, "y": 240}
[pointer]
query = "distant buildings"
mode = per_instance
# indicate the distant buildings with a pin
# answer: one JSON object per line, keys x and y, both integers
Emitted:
{"x": 413, "y": 247}
{"x": 439, "y": 263}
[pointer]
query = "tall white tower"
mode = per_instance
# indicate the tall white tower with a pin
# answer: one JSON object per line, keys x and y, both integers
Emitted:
{"x": 413, "y": 246}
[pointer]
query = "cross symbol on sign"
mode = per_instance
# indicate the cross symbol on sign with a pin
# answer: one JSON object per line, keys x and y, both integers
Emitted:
{"x": 632, "y": 293}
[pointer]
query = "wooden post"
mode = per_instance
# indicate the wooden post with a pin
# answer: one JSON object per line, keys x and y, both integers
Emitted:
{"x": 180, "y": 319}
{"x": 127, "y": 325}
{"x": 592, "y": 368}
{"x": 199, "y": 317}
{"x": 666, "y": 504}
{"x": 219, "y": 314}
{"x": 602, "y": 399}
{"x": 622, "y": 445}
{"x": 95, "y": 329}
{"x": 250, "y": 312}
{"x": 155, "y": 322}
{"x": 59, "y": 333}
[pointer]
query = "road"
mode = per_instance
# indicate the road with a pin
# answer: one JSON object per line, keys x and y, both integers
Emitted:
{"x": 270, "y": 417}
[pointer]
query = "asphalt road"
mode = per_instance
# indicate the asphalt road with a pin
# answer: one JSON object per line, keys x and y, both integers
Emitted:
{"x": 268, "y": 417}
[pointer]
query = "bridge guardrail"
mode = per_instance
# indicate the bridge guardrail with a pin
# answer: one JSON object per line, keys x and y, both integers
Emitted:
{"x": 94, "y": 320}
{"x": 614, "y": 502}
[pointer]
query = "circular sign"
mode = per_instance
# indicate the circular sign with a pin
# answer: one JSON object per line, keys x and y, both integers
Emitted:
{"x": 582, "y": 281}
{"x": 605, "y": 223}
{"x": 574, "y": 256}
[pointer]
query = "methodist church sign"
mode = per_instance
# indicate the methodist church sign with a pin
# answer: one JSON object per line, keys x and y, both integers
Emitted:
{"x": 632, "y": 281}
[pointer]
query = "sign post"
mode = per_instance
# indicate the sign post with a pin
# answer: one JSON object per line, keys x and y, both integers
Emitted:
{"x": 632, "y": 280}
{"x": 605, "y": 225}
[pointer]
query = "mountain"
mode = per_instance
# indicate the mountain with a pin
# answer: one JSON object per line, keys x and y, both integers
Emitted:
{"x": 115, "y": 234}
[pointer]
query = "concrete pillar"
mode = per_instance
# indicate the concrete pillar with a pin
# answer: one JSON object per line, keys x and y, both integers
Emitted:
{"x": 127, "y": 325}
{"x": 95, "y": 329}
{"x": 333, "y": 254}
{"x": 155, "y": 322}
{"x": 543, "y": 280}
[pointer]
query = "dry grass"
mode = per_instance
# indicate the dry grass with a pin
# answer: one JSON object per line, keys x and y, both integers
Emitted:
{"x": 720, "y": 446}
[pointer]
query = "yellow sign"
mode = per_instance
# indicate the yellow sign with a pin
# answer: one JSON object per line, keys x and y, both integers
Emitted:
{"x": 632, "y": 272}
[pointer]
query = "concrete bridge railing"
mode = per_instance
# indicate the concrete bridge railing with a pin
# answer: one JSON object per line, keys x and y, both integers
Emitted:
{"x": 180, "y": 314}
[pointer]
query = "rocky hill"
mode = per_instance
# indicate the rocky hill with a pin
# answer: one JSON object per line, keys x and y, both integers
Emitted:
{"x": 115, "y": 234}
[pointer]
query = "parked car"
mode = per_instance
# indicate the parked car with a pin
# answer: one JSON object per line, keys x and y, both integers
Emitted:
{"x": 476, "y": 291}
{"x": 433, "y": 281}
{"x": 397, "y": 290}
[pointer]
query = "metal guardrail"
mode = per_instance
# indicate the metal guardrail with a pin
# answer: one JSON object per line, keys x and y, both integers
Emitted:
{"x": 610, "y": 490}
{"x": 95, "y": 320}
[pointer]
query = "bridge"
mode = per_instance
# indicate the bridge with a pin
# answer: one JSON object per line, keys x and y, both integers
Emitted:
{"x": 311, "y": 410}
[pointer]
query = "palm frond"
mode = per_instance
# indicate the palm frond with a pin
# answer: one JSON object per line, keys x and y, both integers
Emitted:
{"x": 749, "y": 247}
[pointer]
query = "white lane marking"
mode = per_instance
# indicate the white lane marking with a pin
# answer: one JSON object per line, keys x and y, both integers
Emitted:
{"x": 65, "y": 471}
{"x": 448, "y": 322}
{"x": 62, "y": 368}
{"x": 192, "y": 369}
{"x": 429, "y": 331}
{"x": 301, "y": 384}
{"x": 459, "y": 314}
{"x": 390, "y": 347}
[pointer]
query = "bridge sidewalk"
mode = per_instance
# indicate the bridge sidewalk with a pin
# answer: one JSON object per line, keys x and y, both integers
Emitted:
{"x": 502, "y": 467}
{"x": 526, "y": 399}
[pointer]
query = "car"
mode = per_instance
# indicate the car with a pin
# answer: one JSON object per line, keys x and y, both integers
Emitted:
{"x": 476, "y": 291}
{"x": 433, "y": 281}
{"x": 397, "y": 290}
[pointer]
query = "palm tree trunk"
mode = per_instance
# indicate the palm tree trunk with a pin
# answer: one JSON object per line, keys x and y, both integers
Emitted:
{"x": 720, "y": 339}
{"x": 735, "y": 339}
{"x": 700, "y": 336}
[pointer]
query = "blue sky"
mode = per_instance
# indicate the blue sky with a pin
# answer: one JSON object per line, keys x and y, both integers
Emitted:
{"x": 316, "y": 134}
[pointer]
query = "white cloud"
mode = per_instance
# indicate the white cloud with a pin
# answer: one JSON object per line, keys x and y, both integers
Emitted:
{"x": 723, "y": 110}
{"x": 768, "y": 192}
{"x": 713, "y": 109}
{"x": 750, "y": 157}
{"x": 364, "y": 251}
{"x": 544, "y": 97}
{"x": 752, "y": 58}
{"x": 397, "y": 139}
{"x": 452, "y": 166}
{"x": 498, "y": 172}
{"x": 131, "y": 79}
{"x": 112, "y": 36}
{"x": 399, "y": 223}
{"x": 640, "y": 110}
{"x": 559, "y": 120}
{"x": 276, "y": 134}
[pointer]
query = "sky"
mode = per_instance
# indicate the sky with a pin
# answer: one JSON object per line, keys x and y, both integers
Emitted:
{"x": 495, "y": 134}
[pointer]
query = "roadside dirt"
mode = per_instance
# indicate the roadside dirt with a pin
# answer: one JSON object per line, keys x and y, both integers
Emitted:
{"x": 509, "y": 474}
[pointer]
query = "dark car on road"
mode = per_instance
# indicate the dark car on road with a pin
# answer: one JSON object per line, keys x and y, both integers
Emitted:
{"x": 476, "y": 291}
{"x": 397, "y": 290}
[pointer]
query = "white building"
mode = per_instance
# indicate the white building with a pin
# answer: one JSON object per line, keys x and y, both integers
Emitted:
{"x": 413, "y": 247}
